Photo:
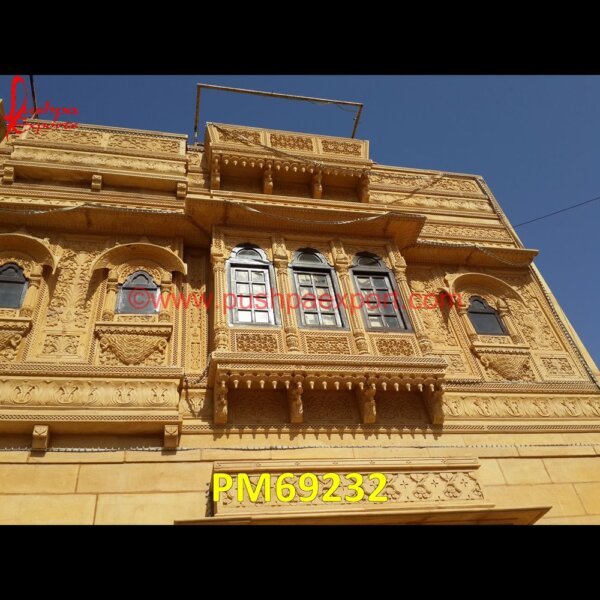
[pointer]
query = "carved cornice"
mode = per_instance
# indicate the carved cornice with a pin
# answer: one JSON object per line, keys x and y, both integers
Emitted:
{"x": 296, "y": 214}
{"x": 480, "y": 255}
{"x": 424, "y": 368}
{"x": 466, "y": 406}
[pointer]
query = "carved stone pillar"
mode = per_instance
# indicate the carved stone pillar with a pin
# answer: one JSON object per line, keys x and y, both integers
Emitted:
{"x": 35, "y": 281}
{"x": 221, "y": 342}
{"x": 111, "y": 296}
{"x": 166, "y": 290}
{"x": 342, "y": 265}
{"x": 40, "y": 438}
{"x": 399, "y": 268}
{"x": 464, "y": 316}
{"x": 504, "y": 313}
{"x": 358, "y": 331}
{"x": 288, "y": 314}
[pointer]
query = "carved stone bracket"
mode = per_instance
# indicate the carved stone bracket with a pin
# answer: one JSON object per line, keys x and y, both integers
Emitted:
{"x": 181, "y": 190}
{"x": 294, "y": 395}
{"x": 434, "y": 396}
{"x": 317, "y": 185}
{"x": 171, "y": 436}
{"x": 96, "y": 183}
{"x": 267, "y": 179}
{"x": 8, "y": 175}
{"x": 221, "y": 407}
{"x": 40, "y": 437}
{"x": 215, "y": 173}
{"x": 366, "y": 402}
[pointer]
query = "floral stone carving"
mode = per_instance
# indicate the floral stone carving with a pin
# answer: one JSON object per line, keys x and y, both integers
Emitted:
{"x": 127, "y": 345}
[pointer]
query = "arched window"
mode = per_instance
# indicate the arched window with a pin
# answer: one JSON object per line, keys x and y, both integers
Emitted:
{"x": 317, "y": 290}
{"x": 138, "y": 295}
{"x": 380, "y": 300}
{"x": 484, "y": 318}
{"x": 13, "y": 286}
{"x": 250, "y": 276}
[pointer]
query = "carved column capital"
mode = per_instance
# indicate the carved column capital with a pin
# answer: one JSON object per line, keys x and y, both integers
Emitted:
{"x": 281, "y": 266}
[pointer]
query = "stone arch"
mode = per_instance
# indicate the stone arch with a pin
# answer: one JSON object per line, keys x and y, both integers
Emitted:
{"x": 140, "y": 252}
{"x": 492, "y": 289}
{"x": 28, "y": 247}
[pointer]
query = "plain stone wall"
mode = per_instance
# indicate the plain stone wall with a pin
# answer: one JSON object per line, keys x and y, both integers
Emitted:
{"x": 562, "y": 470}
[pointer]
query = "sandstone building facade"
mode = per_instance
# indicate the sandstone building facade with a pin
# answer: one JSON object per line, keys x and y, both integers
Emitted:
{"x": 482, "y": 409}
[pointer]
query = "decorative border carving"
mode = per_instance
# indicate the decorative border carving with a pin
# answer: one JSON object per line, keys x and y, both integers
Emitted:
{"x": 78, "y": 393}
{"x": 424, "y": 482}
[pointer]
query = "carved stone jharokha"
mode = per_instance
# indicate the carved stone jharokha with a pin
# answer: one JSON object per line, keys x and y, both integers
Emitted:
{"x": 365, "y": 377}
{"x": 75, "y": 371}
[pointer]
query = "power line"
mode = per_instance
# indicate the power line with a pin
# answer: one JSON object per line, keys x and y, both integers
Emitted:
{"x": 556, "y": 212}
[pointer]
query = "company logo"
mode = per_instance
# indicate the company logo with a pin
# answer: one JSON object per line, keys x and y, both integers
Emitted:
{"x": 15, "y": 119}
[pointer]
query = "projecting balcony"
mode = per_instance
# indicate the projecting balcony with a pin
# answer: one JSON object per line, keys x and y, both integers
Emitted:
{"x": 362, "y": 376}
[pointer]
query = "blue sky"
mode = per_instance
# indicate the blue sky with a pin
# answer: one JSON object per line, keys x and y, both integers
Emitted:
{"x": 533, "y": 138}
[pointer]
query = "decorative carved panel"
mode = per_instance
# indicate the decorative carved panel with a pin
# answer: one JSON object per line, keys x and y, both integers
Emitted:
{"x": 395, "y": 346}
{"x": 339, "y": 147}
{"x": 255, "y": 342}
{"x": 292, "y": 142}
{"x": 257, "y": 407}
{"x": 327, "y": 344}
{"x": 409, "y": 483}
{"x": 401, "y": 409}
{"x": 506, "y": 365}
{"x": 84, "y": 393}
{"x": 124, "y": 344}
{"x": 330, "y": 407}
